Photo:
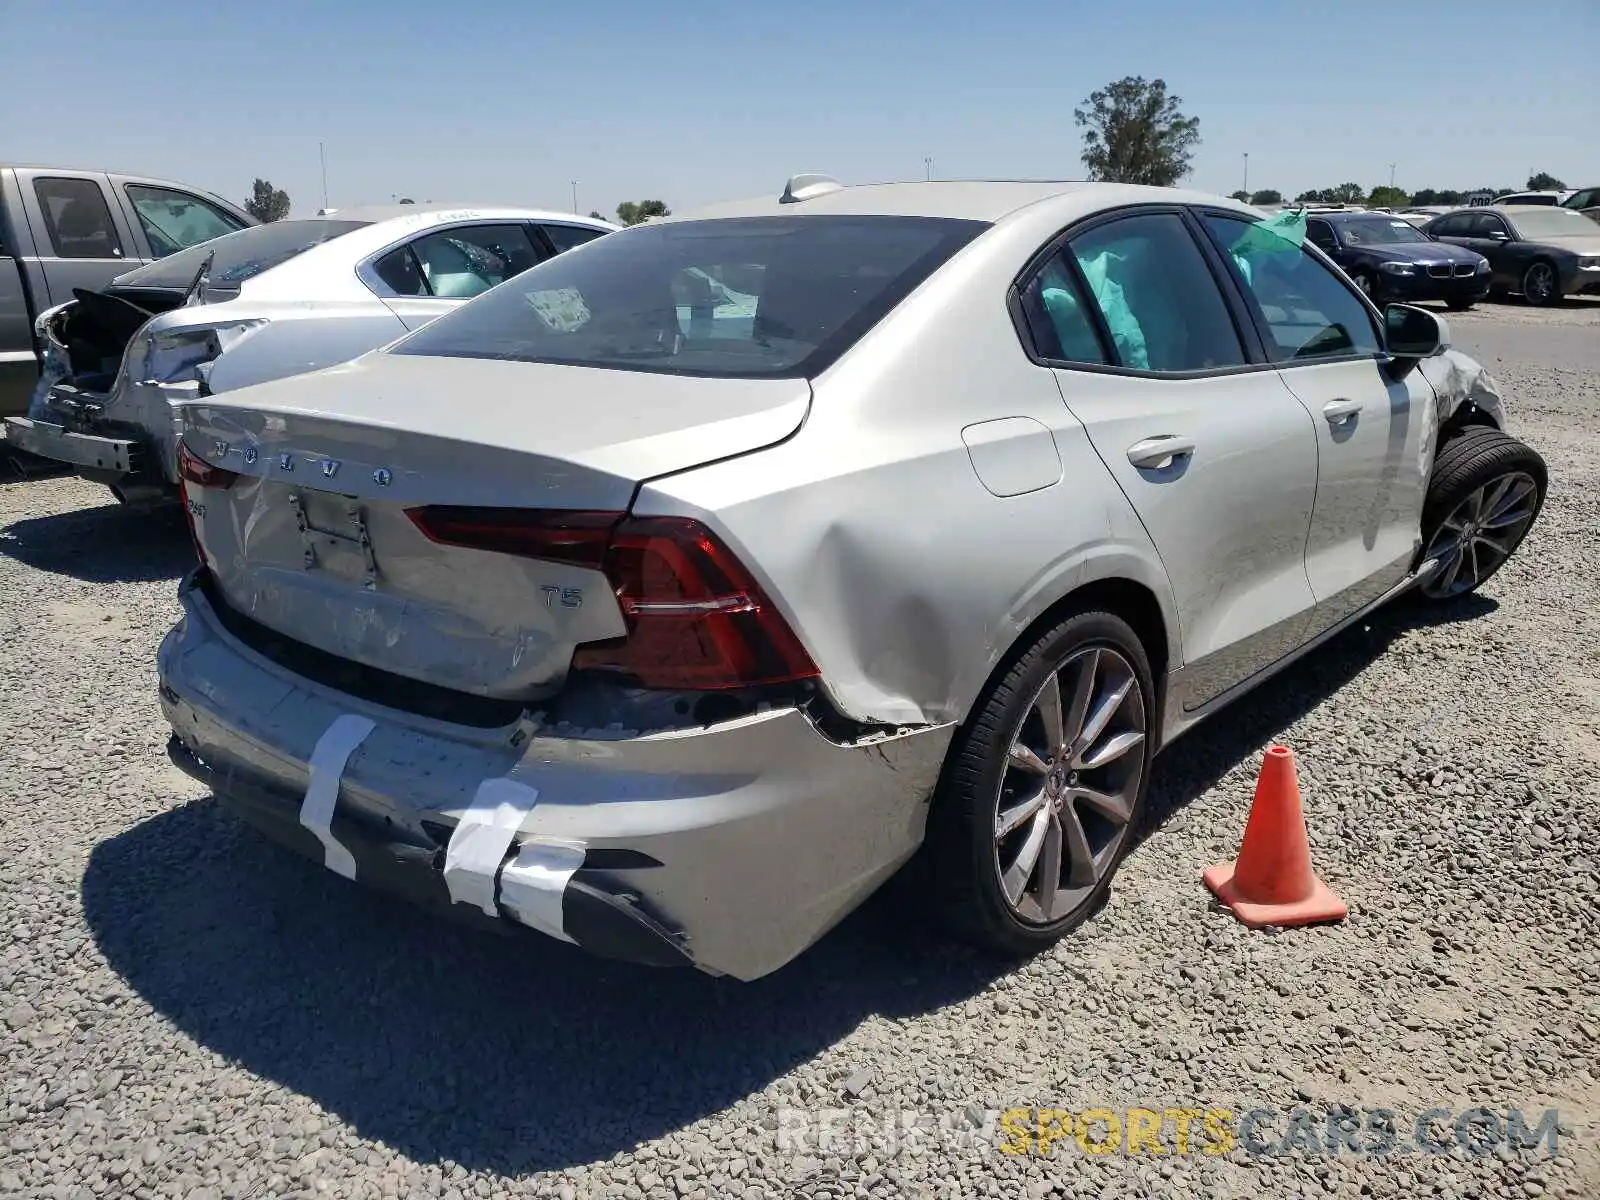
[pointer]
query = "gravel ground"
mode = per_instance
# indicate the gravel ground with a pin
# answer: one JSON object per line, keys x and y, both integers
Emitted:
{"x": 186, "y": 1011}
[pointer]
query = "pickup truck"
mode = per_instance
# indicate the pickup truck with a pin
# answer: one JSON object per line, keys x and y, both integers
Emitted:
{"x": 63, "y": 231}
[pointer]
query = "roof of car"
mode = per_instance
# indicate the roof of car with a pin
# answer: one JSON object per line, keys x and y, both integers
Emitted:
{"x": 373, "y": 213}
{"x": 973, "y": 200}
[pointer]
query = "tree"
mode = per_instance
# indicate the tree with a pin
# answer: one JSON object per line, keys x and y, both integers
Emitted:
{"x": 1134, "y": 132}
{"x": 1430, "y": 197}
{"x": 1267, "y": 196}
{"x": 1347, "y": 193}
{"x": 267, "y": 203}
{"x": 407, "y": 200}
{"x": 1543, "y": 181}
{"x": 1242, "y": 196}
{"x": 596, "y": 215}
{"x": 1388, "y": 197}
{"x": 1312, "y": 196}
{"x": 633, "y": 212}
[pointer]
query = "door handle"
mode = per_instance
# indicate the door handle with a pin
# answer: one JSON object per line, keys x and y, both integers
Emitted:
{"x": 1340, "y": 411}
{"x": 1157, "y": 451}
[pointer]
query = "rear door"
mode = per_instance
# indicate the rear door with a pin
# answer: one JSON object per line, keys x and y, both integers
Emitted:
{"x": 19, "y": 364}
{"x": 82, "y": 239}
{"x": 1215, "y": 455}
{"x": 1370, "y": 430}
{"x": 439, "y": 270}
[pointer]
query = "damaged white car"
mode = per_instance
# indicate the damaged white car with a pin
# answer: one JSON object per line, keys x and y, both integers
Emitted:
{"x": 666, "y": 599}
{"x": 260, "y": 304}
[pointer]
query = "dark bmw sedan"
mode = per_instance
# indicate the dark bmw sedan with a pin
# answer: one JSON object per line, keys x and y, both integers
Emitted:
{"x": 1544, "y": 253}
{"x": 1391, "y": 259}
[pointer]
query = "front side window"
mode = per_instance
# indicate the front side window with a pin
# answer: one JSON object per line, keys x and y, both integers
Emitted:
{"x": 1158, "y": 299}
{"x": 1486, "y": 225}
{"x": 457, "y": 264}
{"x": 1455, "y": 226}
{"x": 565, "y": 237}
{"x": 1307, "y": 313}
{"x": 175, "y": 221}
{"x": 77, "y": 219}
{"x": 739, "y": 297}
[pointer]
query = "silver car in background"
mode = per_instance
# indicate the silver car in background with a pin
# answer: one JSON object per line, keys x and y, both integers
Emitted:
{"x": 667, "y": 598}
{"x": 263, "y": 303}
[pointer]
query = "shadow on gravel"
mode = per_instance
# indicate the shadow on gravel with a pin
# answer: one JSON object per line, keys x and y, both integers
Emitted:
{"x": 518, "y": 1056}
{"x": 1190, "y": 766}
{"x": 112, "y": 543}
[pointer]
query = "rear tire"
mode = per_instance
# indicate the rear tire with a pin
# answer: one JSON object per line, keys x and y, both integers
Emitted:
{"x": 1486, "y": 492}
{"x": 1044, "y": 787}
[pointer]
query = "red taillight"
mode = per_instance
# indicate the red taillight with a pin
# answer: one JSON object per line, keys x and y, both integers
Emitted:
{"x": 192, "y": 469}
{"x": 697, "y": 620}
{"x": 579, "y": 537}
{"x": 196, "y": 470}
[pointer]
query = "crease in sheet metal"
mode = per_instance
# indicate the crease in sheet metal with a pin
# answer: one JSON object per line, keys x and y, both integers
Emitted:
{"x": 328, "y": 761}
{"x": 482, "y": 838}
{"x": 532, "y": 884}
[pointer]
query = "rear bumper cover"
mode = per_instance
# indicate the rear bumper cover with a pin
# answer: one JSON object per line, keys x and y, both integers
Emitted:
{"x": 731, "y": 847}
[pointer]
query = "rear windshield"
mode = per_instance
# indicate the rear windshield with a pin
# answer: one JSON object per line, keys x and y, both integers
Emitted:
{"x": 739, "y": 297}
{"x": 240, "y": 256}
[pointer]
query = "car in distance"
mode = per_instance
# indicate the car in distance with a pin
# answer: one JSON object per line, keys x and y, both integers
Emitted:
{"x": 1390, "y": 259}
{"x": 1544, "y": 253}
{"x": 1585, "y": 200}
{"x": 1544, "y": 199}
{"x": 670, "y": 619}
{"x": 63, "y": 228}
{"x": 265, "y": 302}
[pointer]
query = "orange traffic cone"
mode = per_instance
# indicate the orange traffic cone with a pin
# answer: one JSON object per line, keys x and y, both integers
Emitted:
{"x": 1271, "y": 882}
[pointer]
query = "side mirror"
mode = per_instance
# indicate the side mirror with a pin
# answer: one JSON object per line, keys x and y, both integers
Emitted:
{"x": 1412, "y": 334}
{"x": 1500, "y": 236}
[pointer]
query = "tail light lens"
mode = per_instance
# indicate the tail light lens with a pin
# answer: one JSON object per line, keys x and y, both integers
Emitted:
{"x": 194, "y": 471}
{"x": 697, "y": 620}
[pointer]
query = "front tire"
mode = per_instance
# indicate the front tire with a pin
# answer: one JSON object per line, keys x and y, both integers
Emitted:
{"x": 1368, "y": 285}
{"x": 1541, "y": 286}
{"x": 1044, "y": 787}
{"x": 1486, "y": 492}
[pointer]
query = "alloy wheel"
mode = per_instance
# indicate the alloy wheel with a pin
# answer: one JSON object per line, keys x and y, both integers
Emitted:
{"x": 1539, "y": 284}
{"x": 1480, "y": 534}
{"x": 1069, "y": 786}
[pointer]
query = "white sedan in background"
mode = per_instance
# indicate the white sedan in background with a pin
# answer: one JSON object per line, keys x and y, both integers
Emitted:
{"x": 264, "y": 303}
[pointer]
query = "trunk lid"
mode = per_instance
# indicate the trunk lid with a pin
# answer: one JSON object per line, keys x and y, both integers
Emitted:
{"x": 312, "y": 539}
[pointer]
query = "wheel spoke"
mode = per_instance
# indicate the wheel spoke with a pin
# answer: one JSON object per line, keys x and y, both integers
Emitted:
{"x": 1012, "y": 819}
{"x": 1082, "y": 693}
{"x": 1113, "y": 748}
{"x": 1471, "y": 551}
{"x": 1491, "y": 545}
{"x": 1113, "y": 807}
{"x": 1082, "y": 871}
{"x": 1049, "y": 707}
{"x": 1015, "y": 880}
{"x": 1050, "y": 869}
{"x": 1024, "y": 758}
{"x": 1492, "y": 497}
{"x": 1457, "y": 557}
{"x": 1099, "y": 717}
{"x": 1511, "y": 510}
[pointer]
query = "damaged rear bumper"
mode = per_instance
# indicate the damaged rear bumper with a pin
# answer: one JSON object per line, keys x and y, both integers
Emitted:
{"x": 118, "y": 457}
{"x": 731, "y": 847}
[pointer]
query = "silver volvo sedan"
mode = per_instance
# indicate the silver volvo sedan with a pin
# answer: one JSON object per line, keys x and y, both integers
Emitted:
{"x": 669, "y": 597}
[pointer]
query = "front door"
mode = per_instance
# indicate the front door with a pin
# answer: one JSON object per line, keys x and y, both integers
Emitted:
{"x": 1370, "y": 430}
{"x": 1215, "y": 455}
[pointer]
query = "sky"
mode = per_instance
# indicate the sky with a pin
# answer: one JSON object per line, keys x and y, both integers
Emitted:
{"x": 494, "y": 101}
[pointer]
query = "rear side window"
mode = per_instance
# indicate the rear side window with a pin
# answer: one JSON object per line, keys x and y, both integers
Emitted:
{"x": 240, "y": 256}
{"x": 738, "y": 297}
{"x": 565, "y": 237}
{"x": 77, "y": 219}
{"x": 1306, "y": 311}
{"x": 175, "y": 221}
{"x": 1057, "y": 312}
{"x": 465, "y": 262}
{"x": 1159, "y": 301}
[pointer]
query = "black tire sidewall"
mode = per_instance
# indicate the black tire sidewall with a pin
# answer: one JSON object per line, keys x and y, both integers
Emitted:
{"x": 1555, "y": 296}
{"x": 961, "y": 824}
{"x": 1469, "y": 460}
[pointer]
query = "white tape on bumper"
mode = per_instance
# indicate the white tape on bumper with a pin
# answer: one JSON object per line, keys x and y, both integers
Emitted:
{"x": 328, "y": 761}
{"x": 481, "y": 839}
{"x": 532, "y": 884}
